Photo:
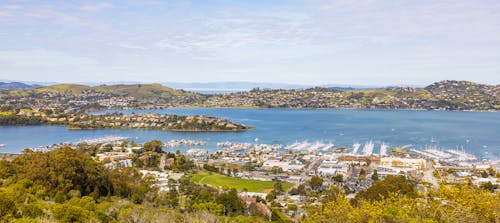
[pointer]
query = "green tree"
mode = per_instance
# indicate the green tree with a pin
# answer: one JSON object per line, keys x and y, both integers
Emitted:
{"x": 7, "y": 206}
{"x": 71, "y": 213}
{"x": 278, "y": 187}
{"x": 316, "y": 182}
{"x": 390, "y": 184}
{"x": 375, "y": 175}
{"x": 489, "y": 186}
{"x": 154, "y": 146}
{"x": 63, "y": 169}
{"x": 232, "y": 204}
{"x": 339, "y": 178}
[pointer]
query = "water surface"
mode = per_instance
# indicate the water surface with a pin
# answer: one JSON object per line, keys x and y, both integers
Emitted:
{"x": 475, "y": 132}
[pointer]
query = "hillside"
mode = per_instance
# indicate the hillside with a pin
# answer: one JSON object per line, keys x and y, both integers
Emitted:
{"x": 444, "y": 95}
{"x": 142, "y": 91}
{"x": 134, "y": 90}
{"x": 75, "y": 89}
{"x": 83, "y": 97}
{"x": 15, "y": 86}
{"x": 138, "y": 91}
{"x": 463, "y": 90}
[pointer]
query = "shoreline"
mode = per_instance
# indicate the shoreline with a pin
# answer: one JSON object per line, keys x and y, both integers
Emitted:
{"x": 290, "y": 108}
{"x": 170, "y": 130}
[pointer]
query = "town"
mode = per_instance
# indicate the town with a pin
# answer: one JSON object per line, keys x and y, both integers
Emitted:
{"x": 286, "y": 178}
{"x": 78, "y": 121}
{"x": 444, "y": 95}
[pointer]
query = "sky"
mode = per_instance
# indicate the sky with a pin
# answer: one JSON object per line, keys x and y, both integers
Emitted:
{"x": 364, "y": 42}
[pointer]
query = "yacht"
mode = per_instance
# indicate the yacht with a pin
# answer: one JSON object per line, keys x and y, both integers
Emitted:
{"x": 355, "y": 148}
{"x": 383, "y": 149}
{"x": 368, "y": 148}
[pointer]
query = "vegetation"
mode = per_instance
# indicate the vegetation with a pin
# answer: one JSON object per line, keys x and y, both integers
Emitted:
{"x": 390, "y": 185}
{"x": 449, "y": 204}
{"x": 67, "y": 185}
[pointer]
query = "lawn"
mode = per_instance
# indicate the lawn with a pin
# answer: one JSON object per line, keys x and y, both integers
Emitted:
{"x": 6, "y": 113}
{"x": 217, "y": 180}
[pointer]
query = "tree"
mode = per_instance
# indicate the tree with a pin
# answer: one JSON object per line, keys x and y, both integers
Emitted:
{"x": 362, "y": 173}
{"x": 316, "y": 182}
{"x": 71, "y": 213}
{"x": 375, "y": 175}
{"x": 484, "y": 174}
{"x": 63, "y": 169}
{"x": 391, "y": 184}
{"x": 338, "y": 178}
{"x": 233, "y": 205}
{"x": 124, "y": 144}
{"x": 153, "y": 146}
{"x": 278, "y": 187}
{"x": 7, "y": 206}
{"x": 333, "y": 194}
{"x": 106, "y": 148}
{"x": 489, "y": 186}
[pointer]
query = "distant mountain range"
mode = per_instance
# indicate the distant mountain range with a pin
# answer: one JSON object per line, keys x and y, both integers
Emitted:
{"x": 206, "y": 88}
{"x": 16, "y": 86}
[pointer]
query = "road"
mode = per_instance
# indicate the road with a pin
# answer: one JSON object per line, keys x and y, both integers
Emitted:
{"x": 429, "y": 176}
{"x": 304, "y": 176}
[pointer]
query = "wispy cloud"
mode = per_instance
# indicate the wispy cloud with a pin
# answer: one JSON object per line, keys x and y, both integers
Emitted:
{"x": 355, "y": 38}
{"x": 95, "y": 7}
{"x": 126, "y": 45}
{"x": 234, "y": 32}
{"x": 64, "y": 14}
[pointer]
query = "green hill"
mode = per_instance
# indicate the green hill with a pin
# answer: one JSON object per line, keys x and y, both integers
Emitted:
{"x": 62, "y": 89}
{"x": 141, "y": 91}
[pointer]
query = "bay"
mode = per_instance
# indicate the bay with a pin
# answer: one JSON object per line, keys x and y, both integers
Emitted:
{"x": 474, "y": 132}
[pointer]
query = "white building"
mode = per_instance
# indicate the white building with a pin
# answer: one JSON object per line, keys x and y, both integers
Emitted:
{"x": 404, "y": 164}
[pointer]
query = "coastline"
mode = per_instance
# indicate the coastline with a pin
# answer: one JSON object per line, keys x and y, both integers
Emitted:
{"x": 170, "y": 130}
{"x": 287, "y": 108}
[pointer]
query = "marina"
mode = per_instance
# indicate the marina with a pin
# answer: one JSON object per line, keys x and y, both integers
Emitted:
{"x": 368, "y": 150}
{"x": 449, "y": 155}
{"x": 101, "y": 140}
{"x": 309, "y": 147}
{"x": 184, "y": 142}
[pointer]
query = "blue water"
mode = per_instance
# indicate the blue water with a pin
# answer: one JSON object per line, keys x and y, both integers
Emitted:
{"x": 476, "y": 132}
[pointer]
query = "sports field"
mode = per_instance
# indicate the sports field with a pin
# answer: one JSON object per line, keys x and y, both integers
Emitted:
{"x": 217, "y": 180}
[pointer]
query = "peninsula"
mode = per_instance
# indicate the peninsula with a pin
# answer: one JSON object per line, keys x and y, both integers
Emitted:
{"x": 79, "y": 121}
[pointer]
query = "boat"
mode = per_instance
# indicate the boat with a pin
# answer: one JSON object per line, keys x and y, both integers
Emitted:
{"x": 2, "y": 145}
{"x": 368, "y": 148}
{"x": 383, "y": 149}
{"x": 355, "y": 148}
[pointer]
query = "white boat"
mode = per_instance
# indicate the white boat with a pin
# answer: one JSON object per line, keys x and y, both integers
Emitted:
{"x": 2, "y": 145}
{"x": 368, "y": 148}
{"x": 383, "y": 149}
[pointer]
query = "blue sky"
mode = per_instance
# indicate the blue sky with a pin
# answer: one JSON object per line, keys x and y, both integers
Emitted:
{"x": 365, "y": 42}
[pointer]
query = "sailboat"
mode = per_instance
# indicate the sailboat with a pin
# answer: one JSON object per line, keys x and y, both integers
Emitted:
{"x": 355, "y": 148}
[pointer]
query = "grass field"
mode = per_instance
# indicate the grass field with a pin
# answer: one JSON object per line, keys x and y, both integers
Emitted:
{"x": 6, "y": 113}
{"x": 217, "y": 180}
